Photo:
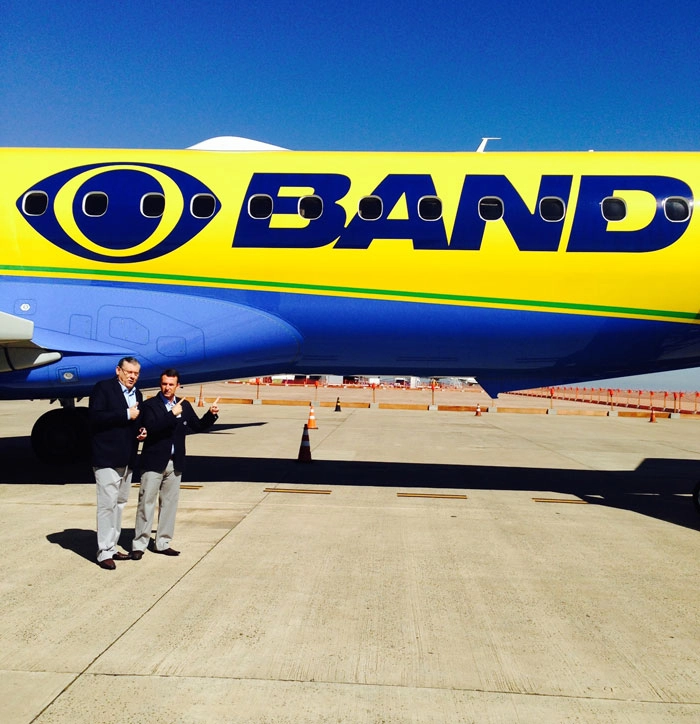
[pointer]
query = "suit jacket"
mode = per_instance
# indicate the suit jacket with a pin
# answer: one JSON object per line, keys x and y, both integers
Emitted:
{"x": 166, "y": 431}
{"x": 113, "y": 435}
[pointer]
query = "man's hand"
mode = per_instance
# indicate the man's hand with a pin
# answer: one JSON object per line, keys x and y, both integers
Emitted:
{"x": 134, "y": 411}
{"x": 214, "y": 409}
{"x": 142, "y": 433}
{"x": 177, "y": 409}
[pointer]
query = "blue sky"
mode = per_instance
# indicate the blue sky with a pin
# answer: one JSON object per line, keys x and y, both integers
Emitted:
{"x": 364, "y": 75}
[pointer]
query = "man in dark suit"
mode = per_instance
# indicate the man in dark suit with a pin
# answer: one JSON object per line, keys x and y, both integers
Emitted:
{"x": 168, "y": 420}
{"x": 115, "y": 432}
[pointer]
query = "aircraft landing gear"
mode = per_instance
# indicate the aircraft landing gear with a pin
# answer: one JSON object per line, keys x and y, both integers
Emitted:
{"x": 62, "y": 436}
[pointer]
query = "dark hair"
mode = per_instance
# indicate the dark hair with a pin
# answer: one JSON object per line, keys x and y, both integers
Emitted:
{"x": 170, "y": 372}
{"x": 130, "y": 360}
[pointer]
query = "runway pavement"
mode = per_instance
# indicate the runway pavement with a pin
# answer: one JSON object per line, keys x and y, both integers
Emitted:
{"x": 361, "y": 599}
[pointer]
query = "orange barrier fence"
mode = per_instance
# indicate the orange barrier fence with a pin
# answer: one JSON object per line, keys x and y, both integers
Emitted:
{"x": 591, "y": 400}
{"x": 661, "y": 401}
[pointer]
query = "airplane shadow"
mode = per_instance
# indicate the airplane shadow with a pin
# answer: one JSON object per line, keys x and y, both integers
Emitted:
{"x": 20, "y": 465}
{"x": 217, "y": 427}
{"x": 658, "y": 487}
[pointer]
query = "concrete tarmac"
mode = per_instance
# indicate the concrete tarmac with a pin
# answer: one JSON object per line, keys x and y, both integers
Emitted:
{"x": 360, "y": 599}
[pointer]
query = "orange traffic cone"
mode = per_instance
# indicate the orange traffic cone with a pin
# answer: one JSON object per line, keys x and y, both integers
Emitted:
{"x": 312, "y": 418}
{"x": 652, "y": 417}
{"x": 337, "y": 406}
{"x": 478, "y": 410}
{"x": 201, "y": 398}
{"x": 305, "y": 447}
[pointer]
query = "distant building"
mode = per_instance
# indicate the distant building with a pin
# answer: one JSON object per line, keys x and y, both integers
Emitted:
{"x": 410, "y": 382}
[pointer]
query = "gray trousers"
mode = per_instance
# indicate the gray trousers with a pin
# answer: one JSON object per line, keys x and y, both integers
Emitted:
{"x": 113, "y": 486}
{"x": 165, "y": 488}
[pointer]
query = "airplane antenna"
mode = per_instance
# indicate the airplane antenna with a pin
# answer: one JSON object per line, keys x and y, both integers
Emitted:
{"x": 484, "y": 141}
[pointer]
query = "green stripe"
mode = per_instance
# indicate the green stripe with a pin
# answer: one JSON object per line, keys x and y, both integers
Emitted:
{"x": 389, "y": 293}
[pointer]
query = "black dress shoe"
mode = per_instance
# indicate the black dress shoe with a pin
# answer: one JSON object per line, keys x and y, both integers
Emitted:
{"x": 136, "y": 555}
{"x": 169, "y": 552}
{"x": 108, "y": 563}
{"x": 121, "y": 556}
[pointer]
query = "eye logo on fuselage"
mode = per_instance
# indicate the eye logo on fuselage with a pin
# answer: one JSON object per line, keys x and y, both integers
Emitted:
{"x": 119, "y": 212}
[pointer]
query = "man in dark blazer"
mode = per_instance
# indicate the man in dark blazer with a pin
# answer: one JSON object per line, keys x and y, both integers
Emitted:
{"x": 168, "y": 420}
{"x": 115, "y": 431}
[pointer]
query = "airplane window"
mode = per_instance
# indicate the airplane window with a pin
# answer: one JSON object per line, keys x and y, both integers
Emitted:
{"x": 95, "y": 203}
{"x": 370, "y": 208}
{"x": 491, "y": 208}
{"x": 430, "y": 208}
{"x": 677, "y": 209}
{"x": 613, "y": 209}
{"x": 203, "y": 206}
{"x": 35, "y": 203}
{"x": 552, "y": 208}
{"x": 310, "y": 207}
{"x": 260, "y": 206}
{"x": 153, "y": 205}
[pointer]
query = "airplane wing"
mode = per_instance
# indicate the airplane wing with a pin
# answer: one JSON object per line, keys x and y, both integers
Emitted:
{"x": 17, "y": 350}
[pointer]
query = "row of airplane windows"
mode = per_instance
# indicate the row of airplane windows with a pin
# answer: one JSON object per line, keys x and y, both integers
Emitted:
{"x": 95, "y": 203}
{"x": 491, "y": 208}
{"x": 370, "y": 208}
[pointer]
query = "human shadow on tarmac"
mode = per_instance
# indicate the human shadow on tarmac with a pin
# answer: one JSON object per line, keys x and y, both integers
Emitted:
{"x": 84, "y": 542}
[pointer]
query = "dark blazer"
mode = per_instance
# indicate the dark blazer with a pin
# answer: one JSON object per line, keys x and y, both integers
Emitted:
{"x": 165, "y": 431}
{"x": 112, "y": 434}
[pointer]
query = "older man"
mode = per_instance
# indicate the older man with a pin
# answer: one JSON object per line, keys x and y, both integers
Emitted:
{"x": 114, "y": 413}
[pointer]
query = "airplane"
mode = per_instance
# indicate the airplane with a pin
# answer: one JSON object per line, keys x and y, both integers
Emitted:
{"x": 236, "y": 258}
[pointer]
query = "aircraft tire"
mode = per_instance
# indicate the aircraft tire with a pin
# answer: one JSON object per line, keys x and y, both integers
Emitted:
{"x": 62, "y": 436}
{"x": 696, "y": 497}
